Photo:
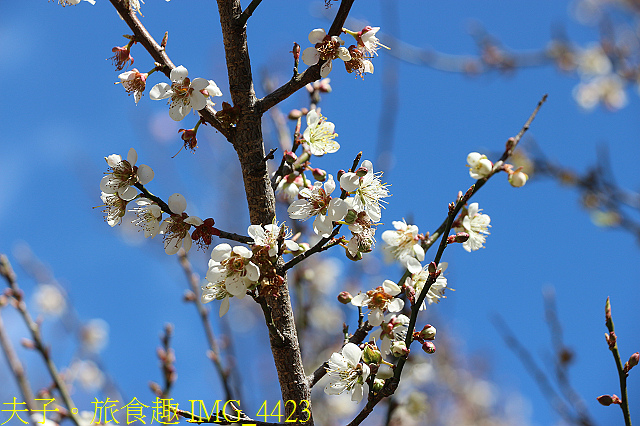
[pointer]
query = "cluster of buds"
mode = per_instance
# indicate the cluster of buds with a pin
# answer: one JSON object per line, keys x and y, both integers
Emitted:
{"x": 426, "y": 337}
{"x": 480, "y": 167}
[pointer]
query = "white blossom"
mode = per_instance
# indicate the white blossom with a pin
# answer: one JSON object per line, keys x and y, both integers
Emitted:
{"x": 403, "y": 244}
{"x": 326, "y": 48}
{"x": 176, "y": 227}
{"x": 124, "y": 174}
{"x": 476, "y": 224}
{"x": 347, "y": 373}
{"x": 114, "y": 208}
{"x": 436, "y": 291}
{"x": 267, "y": 236}
{"x": 394, "y": 328}
{"x": 320, "y": 134}
{"x": 184, "y": 94}
{"x": 231, "y": 273}
{"x": 368, "y": 190}
{"x": 480, "y": 166}
{"x": 379, "y": 300}
{"x": 317, "y": 202}
{"x": 149, "y": 215}
{"x": 50, "y": 299}
{"x": 369, "y": 41}
{"x": 133, "y": 82}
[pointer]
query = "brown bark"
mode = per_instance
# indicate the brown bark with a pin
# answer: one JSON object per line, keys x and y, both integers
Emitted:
{"x": 248, "y": 143}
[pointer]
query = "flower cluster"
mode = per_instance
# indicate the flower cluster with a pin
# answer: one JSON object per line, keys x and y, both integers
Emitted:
{"x": 185, "y": 94}
{"x": 417, "y": 281}
{"x": 117, "y": 186}
{"x": 320, "y": 134}
{"x": 403, "y": 244}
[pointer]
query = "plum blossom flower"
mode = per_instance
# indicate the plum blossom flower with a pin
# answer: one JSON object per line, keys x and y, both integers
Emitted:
{"x": 133, "y": 82}
{"x": 114, "y": 208}
{"x": 403, "y": 244}
{"x": 317, "y": 202}
{"x": 184, "y": 94}
{"x": 149, "y": 215}
{"x": 480, "y": 166}
{"x": 476, "y": 224}
{"x": 290, "y": 186}
{"x": 176, "y": 227}
{"x": 368, "y": 190}
{"x": 346, "y": 372}
{"x": 368, "y": 40}
{"x": 359, "y": 63}
{"x": 268, "y": 235}
{"x": 362, "y": 235}
{"x": 326, "y": 48}
{"x": 379, "y": 300}
{"x": 394, "y": 328}
{"x": 231, "y": 273}
{"x": 436, "y": 291}
{"x": 124, "y": 174}
{"x": 320, "y": 134}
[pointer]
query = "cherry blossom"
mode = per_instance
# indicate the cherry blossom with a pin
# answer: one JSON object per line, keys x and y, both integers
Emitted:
{"x": 347, "y": 373}
{"x": 326, "y": 48}
{"x": 317, "y": 202}
{"x": 124, "y": 174}
{"x": 379, "y": 300}
{"x": 176, "y": 227}
{"x": 133, "y": 82}
{"x": 436, "y": 291}
{"x": 231, "y": 273}
{"x": 149, "y": 216}
{"x": 184, "y": 94}
{"x": 368, "y": 190}
{"x": 320, "y": 134}
{"x": 476, "y": 224}
{"x": 480, "y": 166}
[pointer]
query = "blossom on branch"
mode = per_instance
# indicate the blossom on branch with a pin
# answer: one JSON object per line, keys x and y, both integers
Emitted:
{"x": 317, "y": 202}
{"x": 326, "y": 48}
{"x": 476, "y": 224}
{"x": 359, "y": 63}
{"x": 133, "y": 82}
{"x": 479, "y": 165}
{"x": 379, "y": 300}
{"x": 367, "y": 188}
{"x": 320, "y": 134}
{"x": 347, "y": 373}
{"x": 231, "y": 273}
{"x": 124, "y": 174}
{"x": 184, "y": 94}
{"x": 269, "y": 236}
{"x": 403, "y": 244}
{"x": 114, "y": 208}
{"x": 149, "y": 216}
{"x": 436, "y": 291}
{"x": 176, "y": 227}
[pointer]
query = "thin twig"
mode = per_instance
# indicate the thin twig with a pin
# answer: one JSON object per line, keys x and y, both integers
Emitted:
{"x": 246, "y": 14}
{"x": 203, "y": 313}
{"x": 7, "y": 272}
{"x": 622, "y": 374}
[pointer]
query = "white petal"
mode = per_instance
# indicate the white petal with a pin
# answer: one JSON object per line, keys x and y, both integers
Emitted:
{"x": 221, "y": 252}
{"x": 291, "y": 245}
{"x": 194, "y": 220}
{"x": 106, "y": 185}
{"x": 322, "y": 226}
{"x": 171, "y": 246}
{"x": 243, "y": 252}
{"x": 326, "y": 68}
{"x": 213, "y": 89}
{"x": 160, "y": 91}
{"x": 224, "y": 305}
{"x": 178, "y": 111}
{"x": 352, "y": 353}
{"x": 349, "y": 182}
{"x": 235, "y": 286}
{"x": 198, "y": 100}
{"x": 177, "y": 203}
{"x": 329, "y": 185}
{"x": 391, "y": 288}
{"x": 375, "y": 317}
{"x": 178, "y": 74}
{"x": 310, "y": 56}
{"x": 317, "y": 36}
{"x": 187, "y": 242}
{"x": 145, "y": 174}
{"x": 412, "y": 264}
{"x": 359, "y": 300}
{"x": 128, "y": 193}
{"x": 395, "y": 305}
{"x": 419, "y": 252}
{"x": 473, "y": 210}
{"x": 132, "y": 156}
{"x": 296, "y": 210}
{"x": 337, "y": 209}
{"x": 253, "y": 272}
{"x": 343, "y": 53}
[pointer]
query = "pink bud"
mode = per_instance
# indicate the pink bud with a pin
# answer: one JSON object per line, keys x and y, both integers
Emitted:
{"x": 429, "y": 347}
{"x": 607, "y": 400}
{"x": 319, "y": 174}
{"x": 633, "y": 361}
{"x": 344, "y": 297}
{"x": 290, "y": 157}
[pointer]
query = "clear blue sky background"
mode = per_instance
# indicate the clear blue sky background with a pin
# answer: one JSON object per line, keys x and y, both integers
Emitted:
{"x": 61, "y": 114}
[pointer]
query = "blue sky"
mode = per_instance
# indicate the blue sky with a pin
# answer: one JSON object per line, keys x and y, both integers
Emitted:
{"x": 61, "y": 114}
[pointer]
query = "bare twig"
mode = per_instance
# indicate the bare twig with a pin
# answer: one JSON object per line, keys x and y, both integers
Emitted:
{"x": 246, "y": 14}
{"x": 7, "y": 272}
{"x": 622, "y": 374}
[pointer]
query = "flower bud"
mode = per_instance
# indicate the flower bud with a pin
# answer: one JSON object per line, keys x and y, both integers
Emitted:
{"x": 607, "y": 400}
{"x": 518, "y": 178}
{"x": 296, "y": 51}
{"x": 399, "y": 349}
{"x": 429, "y": 347}
{"x": 344, "y": 297}
{"x": 339, "y": 174}
{"x": 633, "y": 361}
{"x": 428, "y": 332}
{"x": 294, "y": 114}
{"x": 319, "y": 174}
{"x": 361, "y": 171}
{"x": 290, "y": 157}
{"x": 432, "y": 268}
{"x": 371, "y": 354}
{"x": 351, "y": 217}
{"x": 377, "y": 385}
{"x": 355, "y": 258}
{"x": 460, "y": 237}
